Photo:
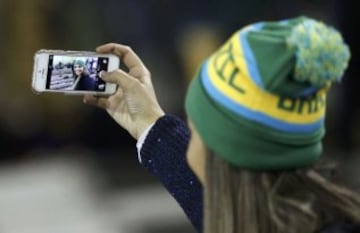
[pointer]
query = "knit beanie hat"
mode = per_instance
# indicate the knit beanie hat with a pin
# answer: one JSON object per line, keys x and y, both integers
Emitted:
{"x": 259, "y": 101}
{"x": 79, "y": 63}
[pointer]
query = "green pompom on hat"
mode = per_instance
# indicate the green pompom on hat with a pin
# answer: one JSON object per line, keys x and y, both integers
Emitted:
{"x": 321, "y": 55}
{"x": 259, "y": 101}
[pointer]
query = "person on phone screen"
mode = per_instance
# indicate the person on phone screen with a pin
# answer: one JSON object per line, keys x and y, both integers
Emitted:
{"x": 246, "y": 161}
{"x": 82, "y": 78}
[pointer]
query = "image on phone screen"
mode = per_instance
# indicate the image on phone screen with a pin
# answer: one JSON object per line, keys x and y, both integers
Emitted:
{"x": 76, "y": 73}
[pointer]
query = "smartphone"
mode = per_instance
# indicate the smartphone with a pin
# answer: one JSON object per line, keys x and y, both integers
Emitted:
{"x": 73, "y": 72}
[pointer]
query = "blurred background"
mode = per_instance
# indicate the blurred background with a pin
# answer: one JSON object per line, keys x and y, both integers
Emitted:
{"x": 67, "y": 167}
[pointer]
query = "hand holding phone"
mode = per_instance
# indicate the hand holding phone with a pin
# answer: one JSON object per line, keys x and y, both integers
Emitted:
{"x": 73, "y": 72}
{"x": 134, "y": 106}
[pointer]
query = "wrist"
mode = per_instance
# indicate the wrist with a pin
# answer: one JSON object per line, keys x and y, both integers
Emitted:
{"x": 143, "y": 125}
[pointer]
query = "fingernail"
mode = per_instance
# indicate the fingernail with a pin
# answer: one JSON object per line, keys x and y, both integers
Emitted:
{"x": 102, "y": 73}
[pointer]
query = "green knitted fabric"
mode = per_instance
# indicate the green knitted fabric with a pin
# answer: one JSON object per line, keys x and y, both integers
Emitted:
{"x": 259, "y": 102}
{"x": 79, "y": 63}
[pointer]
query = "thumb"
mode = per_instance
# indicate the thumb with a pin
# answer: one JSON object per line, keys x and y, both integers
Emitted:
{"x": 119, "y": 77}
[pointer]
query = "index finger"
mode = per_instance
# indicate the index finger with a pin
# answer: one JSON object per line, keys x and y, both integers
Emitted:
{"x": 130, "y": 58}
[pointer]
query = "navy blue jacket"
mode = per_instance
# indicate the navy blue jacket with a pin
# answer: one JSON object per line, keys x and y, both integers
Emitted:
{"x": 86, "y": 83}
{"x": 163, "y": 154}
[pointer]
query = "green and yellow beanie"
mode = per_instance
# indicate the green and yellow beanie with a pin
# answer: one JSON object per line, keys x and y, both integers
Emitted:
{"x": 259, "y": 101}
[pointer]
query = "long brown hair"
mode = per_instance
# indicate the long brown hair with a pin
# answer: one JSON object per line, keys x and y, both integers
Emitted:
{"x": 243, "y": 201}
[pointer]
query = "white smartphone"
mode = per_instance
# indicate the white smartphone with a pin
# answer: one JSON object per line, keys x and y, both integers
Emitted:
{"x": 73, "y": 72}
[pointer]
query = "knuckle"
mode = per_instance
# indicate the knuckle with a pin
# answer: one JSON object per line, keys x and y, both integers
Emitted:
{"x": 125, "y": 46}
{"x": 117, "y": 72}
{"x": 113, "y": 44}
{"x": 147, "y": 72}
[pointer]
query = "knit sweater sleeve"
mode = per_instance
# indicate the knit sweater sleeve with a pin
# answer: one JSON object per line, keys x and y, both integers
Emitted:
{"x": 163, "y": 154}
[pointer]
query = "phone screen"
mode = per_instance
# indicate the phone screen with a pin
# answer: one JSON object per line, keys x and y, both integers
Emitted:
{"x": 76, "y": 73}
